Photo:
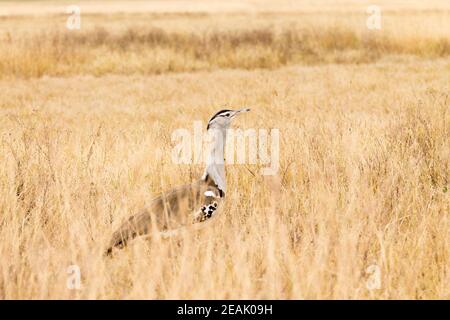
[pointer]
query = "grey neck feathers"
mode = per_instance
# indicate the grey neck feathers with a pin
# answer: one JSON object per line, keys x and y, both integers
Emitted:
{"x": 215, "y": 163}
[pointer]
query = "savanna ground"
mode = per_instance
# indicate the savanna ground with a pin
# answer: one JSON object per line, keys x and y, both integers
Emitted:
{"x": 85, "y": 140}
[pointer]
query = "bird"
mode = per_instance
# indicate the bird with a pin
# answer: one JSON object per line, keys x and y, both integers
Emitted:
{"x": 190, "y": 205}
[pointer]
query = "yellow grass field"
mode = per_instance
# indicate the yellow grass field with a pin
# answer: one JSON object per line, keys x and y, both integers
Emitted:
{"x": 362, "y": 192}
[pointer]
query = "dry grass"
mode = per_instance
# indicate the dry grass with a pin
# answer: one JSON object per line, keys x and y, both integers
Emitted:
{"x": 155, "y": 43}
{"x": 364, "y": 174}
{"x": 156, "y": 51}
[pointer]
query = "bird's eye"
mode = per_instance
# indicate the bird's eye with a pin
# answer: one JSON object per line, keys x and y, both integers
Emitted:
{"x": 227, "y": 114}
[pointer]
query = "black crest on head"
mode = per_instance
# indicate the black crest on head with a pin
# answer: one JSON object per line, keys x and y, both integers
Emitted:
{"x": 218, "y": 114}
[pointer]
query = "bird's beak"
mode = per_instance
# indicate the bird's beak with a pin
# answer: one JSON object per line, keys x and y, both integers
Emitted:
{"x": 241, "y": 111}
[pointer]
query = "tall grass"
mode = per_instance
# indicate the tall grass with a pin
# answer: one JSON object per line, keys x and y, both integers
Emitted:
{"x": 363, "y": 181}
{"x": 364, "y": 156}
{"x": 154, "y": 50}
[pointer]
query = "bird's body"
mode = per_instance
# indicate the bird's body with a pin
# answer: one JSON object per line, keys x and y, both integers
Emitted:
{"x": 180, "y": 207}
{"x": 185, "y": 206}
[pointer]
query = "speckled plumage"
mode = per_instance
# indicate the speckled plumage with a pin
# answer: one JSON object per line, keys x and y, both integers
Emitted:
{"x": 180, "y": 207}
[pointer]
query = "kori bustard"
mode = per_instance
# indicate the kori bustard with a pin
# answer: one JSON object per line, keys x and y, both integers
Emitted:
{"x": 189, "y": 205}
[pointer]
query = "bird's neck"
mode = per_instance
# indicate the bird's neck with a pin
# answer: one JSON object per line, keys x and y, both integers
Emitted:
{"x": 215, "y": 163}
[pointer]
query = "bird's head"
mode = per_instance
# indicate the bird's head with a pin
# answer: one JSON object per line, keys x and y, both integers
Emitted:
{"x": 222, "y": 119}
